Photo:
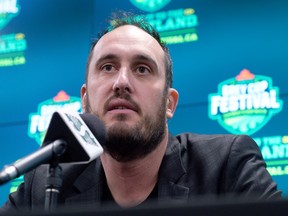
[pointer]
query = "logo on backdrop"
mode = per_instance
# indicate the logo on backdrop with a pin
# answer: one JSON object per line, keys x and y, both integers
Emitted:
{"x": 150, "y": 5}
{"x": 244, "y": 104}
{"x": 174, "y": 26}
{"x": 12, "y": 46}
{"x": 39, "y": 122}
{"x": 8, "y": 10}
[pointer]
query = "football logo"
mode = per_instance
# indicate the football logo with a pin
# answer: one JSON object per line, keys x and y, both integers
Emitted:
{"x": 150, "y": 5}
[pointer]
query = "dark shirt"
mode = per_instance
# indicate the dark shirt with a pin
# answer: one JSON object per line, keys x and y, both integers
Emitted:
{"x": 107, "y": 198}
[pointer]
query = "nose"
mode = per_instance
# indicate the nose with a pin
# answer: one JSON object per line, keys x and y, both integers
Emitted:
{"x": 122, "y": 81}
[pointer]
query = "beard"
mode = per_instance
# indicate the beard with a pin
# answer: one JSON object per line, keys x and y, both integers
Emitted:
{"x": 126, "y": 143}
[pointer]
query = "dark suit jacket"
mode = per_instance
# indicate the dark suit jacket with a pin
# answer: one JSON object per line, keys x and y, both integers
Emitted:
{"x": 193, "y": 166}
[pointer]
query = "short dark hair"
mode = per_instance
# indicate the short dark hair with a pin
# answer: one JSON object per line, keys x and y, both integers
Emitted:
{"x": 125, "y": 18}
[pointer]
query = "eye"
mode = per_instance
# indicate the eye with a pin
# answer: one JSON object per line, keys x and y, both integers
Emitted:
{"x": 108, "y": 68}
{"x": 143, "y": 70}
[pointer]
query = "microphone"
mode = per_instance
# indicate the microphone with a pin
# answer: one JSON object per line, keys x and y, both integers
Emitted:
{"x": 74, "y": 137}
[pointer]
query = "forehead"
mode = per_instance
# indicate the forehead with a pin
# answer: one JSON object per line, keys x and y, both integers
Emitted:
{"x": 129, "y": 39}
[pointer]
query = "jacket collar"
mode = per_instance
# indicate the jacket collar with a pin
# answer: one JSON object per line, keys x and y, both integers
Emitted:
{"x": 171, "y": 171}
{"x": 91, "y": 182}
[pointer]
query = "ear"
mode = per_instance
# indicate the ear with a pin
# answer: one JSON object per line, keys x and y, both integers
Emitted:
{"x": 83, "y": 97}
{"x": 172, "y": 101}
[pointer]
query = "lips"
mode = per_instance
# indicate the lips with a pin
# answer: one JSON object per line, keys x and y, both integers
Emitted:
{"x": 121, "y": 104}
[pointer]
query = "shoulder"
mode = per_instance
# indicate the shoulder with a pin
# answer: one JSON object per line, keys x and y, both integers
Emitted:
{"x": 216, "y": 150}
{"x": 211, "y": 142}
{"x": 222, "y": 164}
{"x": 215, "y": 139}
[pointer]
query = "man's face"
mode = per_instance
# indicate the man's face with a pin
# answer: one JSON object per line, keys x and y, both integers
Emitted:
{"x": 125, "y": 89}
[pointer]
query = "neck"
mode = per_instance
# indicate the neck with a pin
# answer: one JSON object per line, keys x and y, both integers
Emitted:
{"x": 131, "y": 182}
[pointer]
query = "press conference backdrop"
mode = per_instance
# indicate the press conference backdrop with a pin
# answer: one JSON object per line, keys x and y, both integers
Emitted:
{"x": 229, "y": 59}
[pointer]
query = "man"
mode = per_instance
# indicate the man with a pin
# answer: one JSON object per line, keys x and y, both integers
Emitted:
{"x": 129, "y": 87}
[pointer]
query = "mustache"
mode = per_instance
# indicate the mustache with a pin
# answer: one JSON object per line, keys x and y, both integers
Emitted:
{"x": 122, "y": 95}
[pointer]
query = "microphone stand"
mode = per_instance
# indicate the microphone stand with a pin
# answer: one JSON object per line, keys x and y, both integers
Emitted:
{"x": 54, "y": 178}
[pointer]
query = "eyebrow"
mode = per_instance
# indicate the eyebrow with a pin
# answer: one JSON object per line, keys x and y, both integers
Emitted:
{"x": 146, "y": 58}
{"x": 137, "y": 57}
{"x": 106, "y": 57}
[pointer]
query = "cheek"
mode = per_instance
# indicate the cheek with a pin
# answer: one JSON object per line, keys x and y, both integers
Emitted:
{"x": 100, "y": 84}
{"x": 153, "y": 100}
{"x": 97, "y": 95}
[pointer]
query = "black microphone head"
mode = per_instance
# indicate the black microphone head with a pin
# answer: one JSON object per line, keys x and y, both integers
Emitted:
{"x": 84, "y": 134}
{"x": 96, "y": 126}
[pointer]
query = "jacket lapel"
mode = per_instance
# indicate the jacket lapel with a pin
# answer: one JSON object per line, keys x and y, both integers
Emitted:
{"x": 171, "y": 172}
{"x": 88, "y": 185}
